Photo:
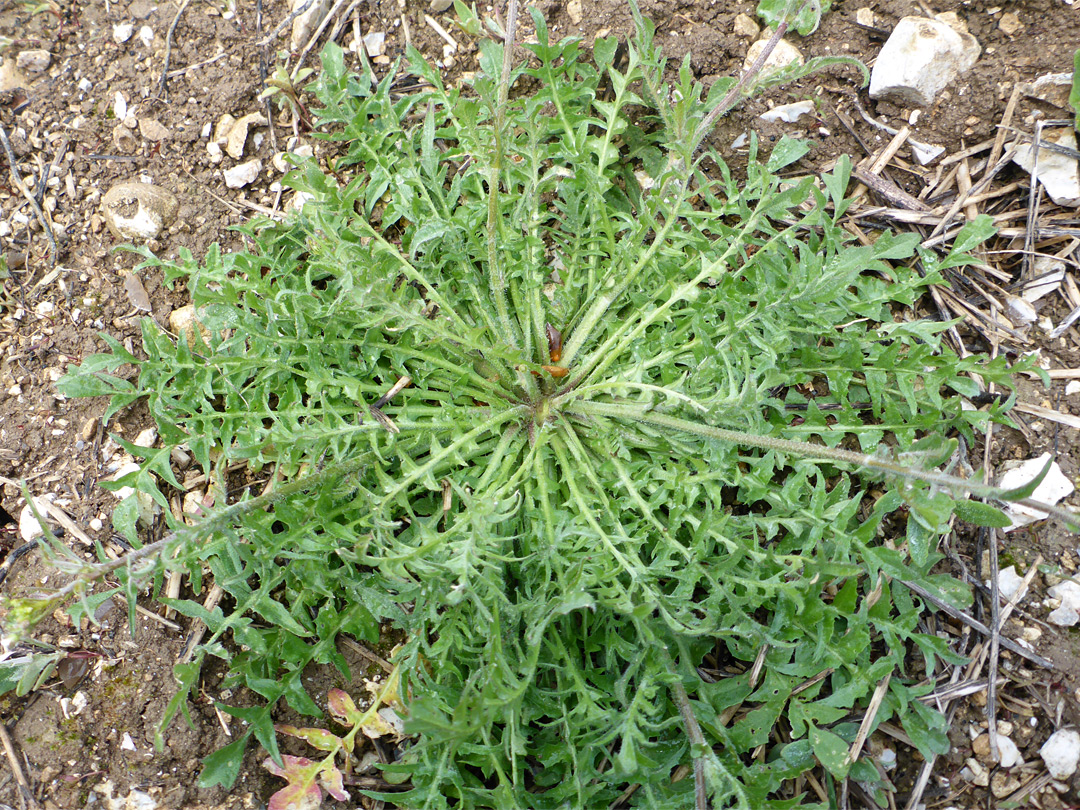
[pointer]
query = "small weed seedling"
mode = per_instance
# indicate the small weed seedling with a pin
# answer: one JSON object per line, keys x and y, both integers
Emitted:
{"x": 305, "y": 776}
{"x": 635, "y": 456}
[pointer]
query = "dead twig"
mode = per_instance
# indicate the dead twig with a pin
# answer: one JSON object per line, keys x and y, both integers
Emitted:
{"x": 732, "y": 95}
{"x": 975, "y": 624}
{"x": 199, "y": 629}
{"x": 262, "y": 43}
{"x": 697, "y": 741}
{"x": 364, "y": 652}
{"x": 17, "y": 181}
{"x": 26, "y": 795}
{"x": 889, "y": 191}
{"x": 262, "y": 76}
{"x": 163, "y": 88}
{"x": 332, "y": 15}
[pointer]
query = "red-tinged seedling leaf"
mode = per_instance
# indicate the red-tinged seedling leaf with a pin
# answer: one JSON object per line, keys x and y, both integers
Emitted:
{"x": 333, "y": 783}
{"x": 301, "y": 793}
{"x": 296, "y": 797}
{"x": 342, "y": 707}
{"x": 294, "y": 766}
{"x": 316, "y": 737}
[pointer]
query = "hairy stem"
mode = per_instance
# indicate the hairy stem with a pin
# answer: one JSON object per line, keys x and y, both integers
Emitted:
{"x": 804, "y": 450}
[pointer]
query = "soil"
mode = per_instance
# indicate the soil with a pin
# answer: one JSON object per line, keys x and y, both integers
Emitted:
{"x": 51, "y": 316}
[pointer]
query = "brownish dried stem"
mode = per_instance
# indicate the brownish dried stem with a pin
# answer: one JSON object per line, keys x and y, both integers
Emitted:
{"x": 163, "y": 89}
{"x": 697, "y": 739}
{"x": 728, "y": 101}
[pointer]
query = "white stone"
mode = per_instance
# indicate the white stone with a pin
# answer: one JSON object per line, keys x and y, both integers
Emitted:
{"x": 152, "y": 129}
{"x": 214, "y": 149}
{"x": 29, "y": 528}
{"x": 1061, "y": 753}
{"x": 919, "y": 59}
{"x": 1052, "y": 489}
{"x": 865, "y": 16}
{"x": 1053, "y": 88}
{"x": 575, "y": 12}
{"x": 1049, "y": 273}
{"x": 745, "y": 26}
{"x": 1009, "y": 754}
{"x": 79, "y": 701}
{"x": 10, "y": 78}
{"x": 304, "y": 150}
{"x": 1073, "y": 387}
{"x": 1020, "y": 311}
{"x": 146, "y": 35}
{"x": 439, "y": 6}
{"x": 121, "y": 32}
{"x": 1059, "y": 174}
{"x": 146, "y": 438}
{"x": 1068, "y": 613}
{"x": 85, "y": 84}
{"x": 298, "y": 199}
{"x": 242, "y": 175}
{"x": 96, "y": 524}
{"x": 375, "y": 43}
{"x": 783, "y": 55}
{"x": 127, "y": 744}
{"x": 238, "y": 134}
{"x": 223, "y": 128}
{"x": 120, "y": 108}
{"x": 33, "y": 61}
{"x": 1009, "y": 583}
{"x": 137, "y": 799}
{"x": 304, "y": 25}
{"x": 789, "y": 113}
{"x": 125, "y": 469}
{"x": 138, "y": 210}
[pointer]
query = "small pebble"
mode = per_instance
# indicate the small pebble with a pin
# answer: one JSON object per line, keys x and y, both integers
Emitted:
{"x": 1061, "y": 753}
{"x": 121, "y": 32}
{"x": 1010, "y": 24}
{"x": 242, "y": 175}
{"x": 375, "y": 43}
{"x": 745, "y": 27}
{"x": 146, "y": 438}
{"x": 138, "y": 210}
{"x": 146, "y": 35}
{"x": 29, "y": 528}
{"x": 34, "y": 61}
{"x": 152, "y": 129}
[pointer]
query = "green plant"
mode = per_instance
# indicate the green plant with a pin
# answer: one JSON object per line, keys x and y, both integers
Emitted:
{"x": 593, "y": 426}
{"x": 303, "y": 775}
{"x": 34, "y": 7}
{"x": 285, "y": 89}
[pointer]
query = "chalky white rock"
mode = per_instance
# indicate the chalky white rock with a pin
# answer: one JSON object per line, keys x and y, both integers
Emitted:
{"x": 1061, "y": 753}
{"x": 919, "y": 59}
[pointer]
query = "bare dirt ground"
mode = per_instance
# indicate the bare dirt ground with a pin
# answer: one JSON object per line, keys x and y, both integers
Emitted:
{"x": 99, "y": 115}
